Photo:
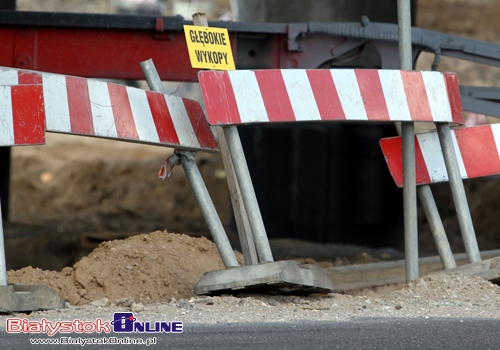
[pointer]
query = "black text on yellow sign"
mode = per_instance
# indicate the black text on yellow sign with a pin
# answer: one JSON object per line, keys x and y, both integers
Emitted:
{"x": 209, "y": 47}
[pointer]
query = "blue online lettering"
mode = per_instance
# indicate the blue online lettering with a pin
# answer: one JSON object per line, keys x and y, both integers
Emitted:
{"x": 125, "y": 322}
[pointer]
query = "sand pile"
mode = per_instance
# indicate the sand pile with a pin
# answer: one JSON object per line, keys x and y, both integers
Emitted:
{"x": 148, "y": 267}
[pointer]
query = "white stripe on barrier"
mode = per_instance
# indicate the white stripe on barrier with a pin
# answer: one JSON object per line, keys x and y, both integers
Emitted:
{"x": 102, "y": 112}
{"x": 496, "y": 136}
{"x": 56, "y": 105}
{"x": 431, "y": 150}
{"x": 461, "y": 165}
{"x": 392, "y": 86}
{"x": 6, "y": 118}
{"x": 9, "y": 77}
{"x": 349, "y": 94}
{"x": 435, "y": 87}
{"x": 300, "y": 94}
{"x": 185, "y": 130}
{"x": 143, "y": 117}
{"x": 247, "y": 93}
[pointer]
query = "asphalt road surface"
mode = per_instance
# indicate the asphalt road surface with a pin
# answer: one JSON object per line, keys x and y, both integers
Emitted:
{"x": 356, "y": 334}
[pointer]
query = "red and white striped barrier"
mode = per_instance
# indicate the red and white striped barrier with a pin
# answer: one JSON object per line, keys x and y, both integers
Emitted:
{"x": 477, "y": 149}
{"x": 95, "y": 108}
{"x": 22, "y": 116}
{"x": 240, "y": 97}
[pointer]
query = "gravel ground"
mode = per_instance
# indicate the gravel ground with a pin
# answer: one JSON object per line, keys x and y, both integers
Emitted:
{"x": 435, "y": 296}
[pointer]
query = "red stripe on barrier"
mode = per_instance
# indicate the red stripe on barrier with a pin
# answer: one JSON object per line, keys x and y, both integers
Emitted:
{"x": 223, "y": 110}
{"x": 422, "y": 173}
{"x": 162, "y": 118}
{"x": 122, "y": 112}
{"x": 393, "y": 154}
{"x": 372, "y": 93}
{"x": 479, "y": 152}
{"x": 275, "y": 95}
{"x": 416, "y": 95}
{"x": 392, "y": 149}
{"x": 201, "y": 129}
{"x": 325, "y": 94}
{"x": 451, "y": 80}
{"x": 28, "y": 114}
{"x": 80, "y": 111}
{"x": 27, "y": 77}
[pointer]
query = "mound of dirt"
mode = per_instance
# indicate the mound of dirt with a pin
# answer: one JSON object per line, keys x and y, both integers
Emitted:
{"x": 150, "y": 268}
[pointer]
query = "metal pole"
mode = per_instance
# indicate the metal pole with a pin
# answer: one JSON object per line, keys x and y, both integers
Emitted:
{"x": 240, "y": 213}
{"x": 458, "y": 193}
{"x": 248, "y": 194}
{"x": 193, "y": 174}
{"x": 3, "y": 265}
{"x": 152, "y": 76}
{"x": 407, "y": 133}
{"x": 424, "y": 192}
{"x": 208, "y": 210}
{"x": 410, "y": 202}
{"x": 436, "y": 225}
{"x": 404, "y": 34}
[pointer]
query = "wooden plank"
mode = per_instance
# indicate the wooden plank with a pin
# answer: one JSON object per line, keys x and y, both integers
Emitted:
{"x": 388, "y": 276}
{"x": 488, "y": 269}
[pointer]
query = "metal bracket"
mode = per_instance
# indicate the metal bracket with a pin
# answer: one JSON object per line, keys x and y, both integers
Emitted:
{"x": 294, "y": 31}
{"x": 188, "y": 154}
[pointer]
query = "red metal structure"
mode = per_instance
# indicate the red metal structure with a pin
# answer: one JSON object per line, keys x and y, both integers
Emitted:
{"x": 111, "y": 46}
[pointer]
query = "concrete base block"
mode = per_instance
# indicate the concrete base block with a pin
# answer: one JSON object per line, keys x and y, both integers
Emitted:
{"x": 21, "y": 297}
{"x": 281, "y": 277}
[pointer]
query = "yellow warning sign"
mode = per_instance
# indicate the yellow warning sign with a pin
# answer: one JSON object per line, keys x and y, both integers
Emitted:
{"x": 209, "y": 47}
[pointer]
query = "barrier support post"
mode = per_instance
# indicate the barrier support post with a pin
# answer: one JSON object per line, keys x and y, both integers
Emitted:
{"x": 458, "y": 193}
{"x": 424, "y": 192}
{"x": 251, "y": 230}
{"x": 208, "y": 209}
{"x": 193, "y": 174}
{"x": 239, "y": 210}
{"x": 248, "y": 193}
{"x": 407, "y": 133}
{"x": 436, "y": 226}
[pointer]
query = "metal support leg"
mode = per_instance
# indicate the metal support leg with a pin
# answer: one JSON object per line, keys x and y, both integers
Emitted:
{"x": 410, "y": 202}
{"x": 3, "y": 265}
{"x": 424, "y": 192}
{"x": 248, "y": 193}
{"x": 407, "y": 133}
{"x": 436, "y": 226}
{"x": 208, "y": 209}
{"x": 240, "y": 213}
{"x": 193, "y": 174}
{"x": 458, "y": 193}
